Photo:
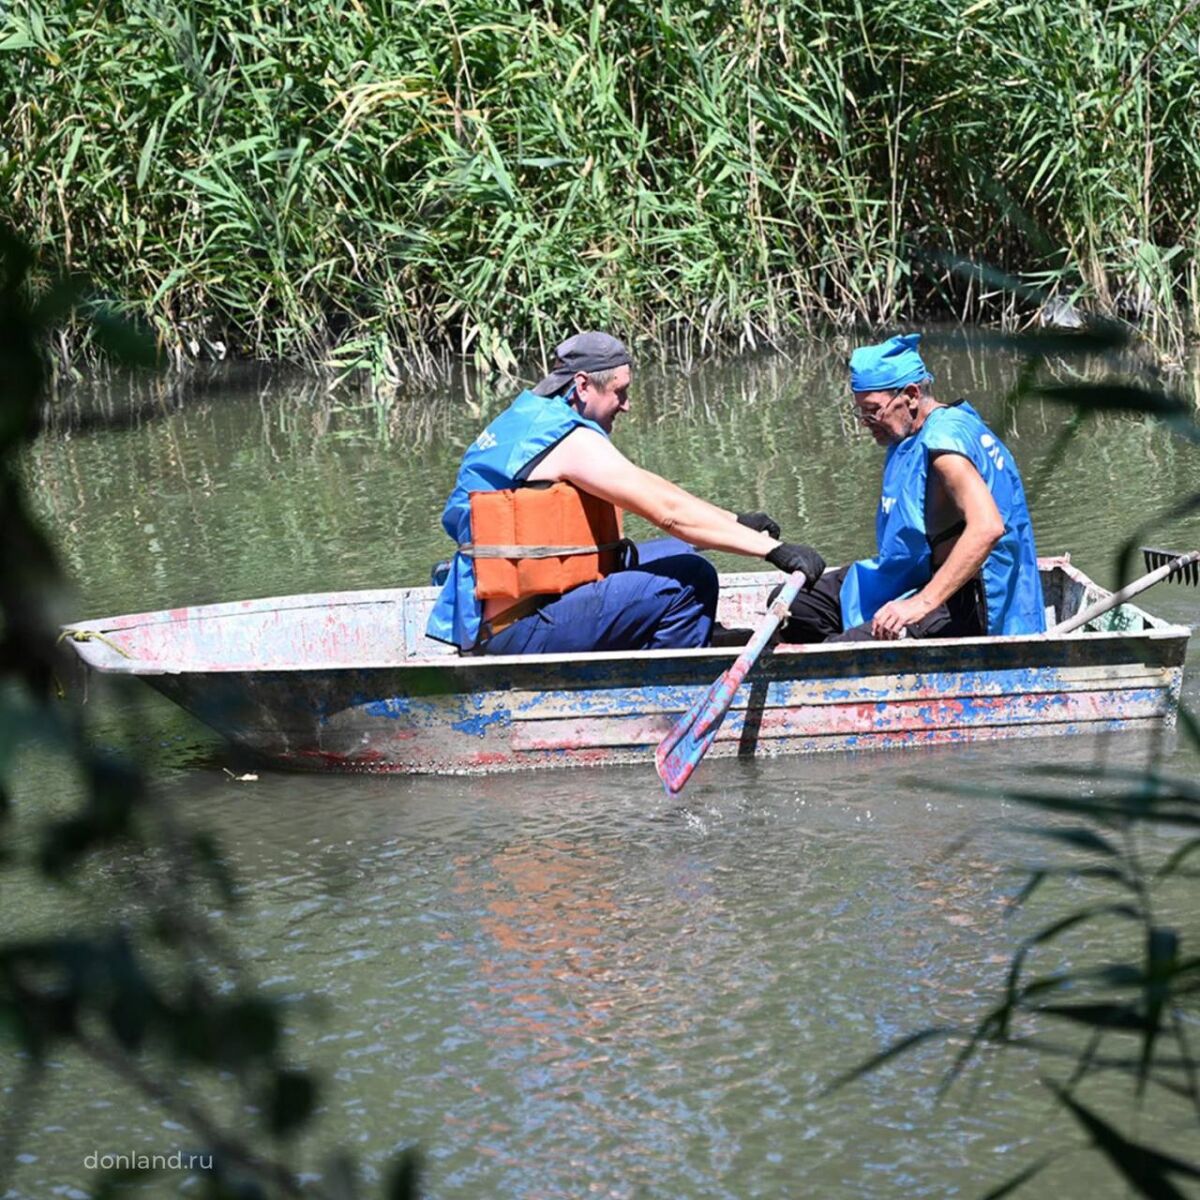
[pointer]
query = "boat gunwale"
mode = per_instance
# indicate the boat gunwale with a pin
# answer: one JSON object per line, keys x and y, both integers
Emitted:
{"x": 1156, "y": 629}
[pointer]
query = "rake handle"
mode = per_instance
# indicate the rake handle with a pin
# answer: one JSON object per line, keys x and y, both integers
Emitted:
{"x": 1126, "y": 593}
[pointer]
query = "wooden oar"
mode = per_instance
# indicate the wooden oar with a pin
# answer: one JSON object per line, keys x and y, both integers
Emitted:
{"x": 1184, "y": 565}
{"x": 680, "y": 752}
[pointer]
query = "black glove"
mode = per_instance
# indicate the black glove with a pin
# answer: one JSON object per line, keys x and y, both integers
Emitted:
{"x": 791, "y": 556}
{"x": 760, "y": 522}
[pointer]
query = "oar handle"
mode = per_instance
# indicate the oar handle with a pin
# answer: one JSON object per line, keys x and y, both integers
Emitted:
{"x": 775, "y": 616}
{"x": 1126, "y": 593}
{"x": 721, "y": 695}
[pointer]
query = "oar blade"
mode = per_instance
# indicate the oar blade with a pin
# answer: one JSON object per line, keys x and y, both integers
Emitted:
{"x": 686, "y": 723}
{"x": 680, "y": 752}
{"x": 675, "y": 767}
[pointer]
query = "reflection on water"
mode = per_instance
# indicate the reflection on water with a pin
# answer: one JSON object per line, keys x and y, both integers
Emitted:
{"x": 280, "y": 485}
{"x": 567, "y": 984}
{"x": 571, "y": 982}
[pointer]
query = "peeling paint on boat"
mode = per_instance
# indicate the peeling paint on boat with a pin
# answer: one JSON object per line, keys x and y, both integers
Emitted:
{"x": 347, "y": 681}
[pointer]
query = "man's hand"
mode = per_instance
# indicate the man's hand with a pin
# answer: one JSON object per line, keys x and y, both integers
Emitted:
{"x": 791, "y": 556}
{"x": 894, "y": 617}
{"x": 759, "y": 521}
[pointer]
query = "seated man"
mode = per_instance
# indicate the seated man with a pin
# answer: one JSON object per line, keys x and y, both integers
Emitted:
{"x": 541, "y": 566}
{"x": 956, "y": 554}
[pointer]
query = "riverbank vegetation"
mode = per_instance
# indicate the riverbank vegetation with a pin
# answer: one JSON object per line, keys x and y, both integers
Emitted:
{"x": 383, "y": 185}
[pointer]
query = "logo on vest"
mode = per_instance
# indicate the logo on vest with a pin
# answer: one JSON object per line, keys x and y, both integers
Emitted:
{"x": 887, "y": 503}
{"x": 485, "y": 441}
{"x": 993, "y": 450}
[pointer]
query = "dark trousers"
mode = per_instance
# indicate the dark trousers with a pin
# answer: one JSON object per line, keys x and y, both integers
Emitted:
{"x": 816, "y": 616}
{"x": 667, "y": 602}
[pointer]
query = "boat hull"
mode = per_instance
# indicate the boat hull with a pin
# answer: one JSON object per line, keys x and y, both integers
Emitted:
{"x": 515, "y": 716}
{"x": 347, "y": 682}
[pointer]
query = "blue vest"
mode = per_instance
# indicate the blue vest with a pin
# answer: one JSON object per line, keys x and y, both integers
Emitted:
{"x": 1011, "y": 583}
{"x": 499, "y": 458}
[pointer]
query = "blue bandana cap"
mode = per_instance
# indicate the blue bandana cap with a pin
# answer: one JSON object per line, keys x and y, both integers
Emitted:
{"x": 892, "y": 364}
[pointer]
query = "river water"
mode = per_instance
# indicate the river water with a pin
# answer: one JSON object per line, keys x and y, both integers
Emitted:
{"x": 567, "y": 984}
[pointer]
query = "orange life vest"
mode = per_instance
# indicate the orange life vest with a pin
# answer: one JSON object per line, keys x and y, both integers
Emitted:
{"x": 541, "y": 541}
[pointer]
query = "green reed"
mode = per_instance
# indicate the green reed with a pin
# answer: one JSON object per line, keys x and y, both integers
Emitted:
{"x": 381, "y": 185}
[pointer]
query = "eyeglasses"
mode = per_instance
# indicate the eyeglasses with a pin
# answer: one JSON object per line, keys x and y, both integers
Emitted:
{"x": 875, "y": 416}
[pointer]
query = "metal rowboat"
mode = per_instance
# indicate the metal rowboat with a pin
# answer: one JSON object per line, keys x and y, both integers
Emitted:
{"x": 347, "y": 681}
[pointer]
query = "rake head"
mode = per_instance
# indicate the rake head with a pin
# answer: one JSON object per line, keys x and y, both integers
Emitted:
{"x": 1187, "y": 566}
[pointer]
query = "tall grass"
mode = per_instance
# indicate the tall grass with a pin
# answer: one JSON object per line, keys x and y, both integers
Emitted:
{"x": 381, "y": 184}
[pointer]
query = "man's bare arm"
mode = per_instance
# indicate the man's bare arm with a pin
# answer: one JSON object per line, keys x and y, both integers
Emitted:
{"x": 983, "y": 528}
{"x": 592, "y": 463}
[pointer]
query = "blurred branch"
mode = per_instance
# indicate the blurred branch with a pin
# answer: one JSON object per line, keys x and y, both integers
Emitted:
{"x": 160, "y": 980}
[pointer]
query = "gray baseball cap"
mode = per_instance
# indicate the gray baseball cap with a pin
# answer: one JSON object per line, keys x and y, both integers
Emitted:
{"x": 584, "y": 352}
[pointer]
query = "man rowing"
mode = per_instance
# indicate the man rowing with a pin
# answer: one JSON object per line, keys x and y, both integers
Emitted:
{"x": 956, "y": 555}
{"x": 541, "y": 565}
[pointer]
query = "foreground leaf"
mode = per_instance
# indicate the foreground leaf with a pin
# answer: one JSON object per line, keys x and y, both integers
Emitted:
{"x": 893, "y": 1051}
{"x": 1146, "y": 1170}
{"x": 1019, "y": 1179}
